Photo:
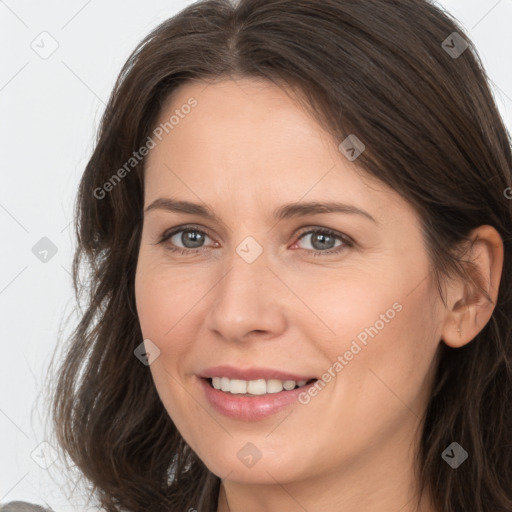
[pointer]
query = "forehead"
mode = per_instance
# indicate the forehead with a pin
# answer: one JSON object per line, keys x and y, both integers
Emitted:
{"x": 250, "y": 142}
{"x": 247, "y": 114}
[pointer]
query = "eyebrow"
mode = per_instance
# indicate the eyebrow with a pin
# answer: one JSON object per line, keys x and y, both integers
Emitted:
{"x": 286, "y": 211}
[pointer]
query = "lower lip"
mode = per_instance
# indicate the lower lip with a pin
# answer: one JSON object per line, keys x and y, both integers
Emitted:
{"x": 250, "y": 408}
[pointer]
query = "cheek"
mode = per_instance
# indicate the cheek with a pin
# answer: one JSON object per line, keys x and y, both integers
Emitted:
{"x": 148, "y": 298}
{"x": 383, "y": 382}
{"x": 393, "y": 367}
{"x": 383, "y": 340}
{"x": 164, "y": 305}
{"x": 354, "y": 306}
{"x": 388, "y": 308}
{"x": 164, "y": 298}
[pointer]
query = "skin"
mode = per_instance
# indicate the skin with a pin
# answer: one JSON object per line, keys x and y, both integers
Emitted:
{"x": 246, "y": 149}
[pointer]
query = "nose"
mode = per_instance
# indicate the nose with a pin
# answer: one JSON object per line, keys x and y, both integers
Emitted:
{"x": 248, "y": 301}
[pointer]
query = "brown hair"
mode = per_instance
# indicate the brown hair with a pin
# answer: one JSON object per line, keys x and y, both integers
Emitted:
{"x": 374, "y": 68}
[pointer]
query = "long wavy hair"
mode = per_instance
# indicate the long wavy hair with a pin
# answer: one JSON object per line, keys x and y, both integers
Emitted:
{"x": 381, "y": 69}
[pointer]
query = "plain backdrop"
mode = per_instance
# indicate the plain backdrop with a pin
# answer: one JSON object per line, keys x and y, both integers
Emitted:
{"x": 50, "y": 106}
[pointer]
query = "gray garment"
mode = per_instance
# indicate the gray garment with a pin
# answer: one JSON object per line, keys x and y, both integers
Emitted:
{"x": 23, "y": 506}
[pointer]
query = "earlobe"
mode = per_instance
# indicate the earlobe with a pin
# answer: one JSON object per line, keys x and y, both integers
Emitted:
{"x": 471, "y": 302}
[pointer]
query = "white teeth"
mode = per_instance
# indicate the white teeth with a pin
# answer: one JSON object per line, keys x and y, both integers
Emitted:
{"x": 257, "y": 387}
{"x": 289, "y": 384}
{"x": 274, "y": 386}
{"x": 238, "y": 386}
{"x": 254, "y": 387}
{"x": 224, "y": 383}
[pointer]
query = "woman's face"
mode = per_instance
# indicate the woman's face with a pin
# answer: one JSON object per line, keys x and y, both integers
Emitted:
{"x": 267, "y": 289}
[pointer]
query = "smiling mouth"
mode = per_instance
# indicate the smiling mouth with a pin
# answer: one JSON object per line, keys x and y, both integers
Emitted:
{"x": 255, "y": 387}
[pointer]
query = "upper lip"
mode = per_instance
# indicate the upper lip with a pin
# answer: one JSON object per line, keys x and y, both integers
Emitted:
{"x": 253, "y": 373}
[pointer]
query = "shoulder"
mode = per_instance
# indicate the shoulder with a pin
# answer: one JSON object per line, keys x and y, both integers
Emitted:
{"x": 23, "y": 506}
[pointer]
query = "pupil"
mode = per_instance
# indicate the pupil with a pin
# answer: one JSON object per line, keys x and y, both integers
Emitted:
{"x": 193, "y": 237}
{"x": 322, "y": 237}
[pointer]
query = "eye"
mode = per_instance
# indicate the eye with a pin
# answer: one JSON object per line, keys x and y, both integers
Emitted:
{"x": 191, "y": 238}
{"x": 323, "y": 241}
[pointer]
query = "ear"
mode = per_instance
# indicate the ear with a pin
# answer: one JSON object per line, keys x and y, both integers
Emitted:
{"x": 470, "y": 304}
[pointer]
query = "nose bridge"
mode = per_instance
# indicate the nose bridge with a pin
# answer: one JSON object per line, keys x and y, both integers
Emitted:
{"x": 246, "y": 297}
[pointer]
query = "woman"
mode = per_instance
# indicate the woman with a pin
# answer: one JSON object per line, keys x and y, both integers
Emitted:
{"x": 298, "y": 233}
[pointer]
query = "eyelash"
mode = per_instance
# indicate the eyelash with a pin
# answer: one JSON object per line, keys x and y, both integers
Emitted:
{"x": 347, "y": 241}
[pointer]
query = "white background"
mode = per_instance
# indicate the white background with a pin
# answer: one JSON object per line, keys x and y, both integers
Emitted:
{"x": 50, "y": 109}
